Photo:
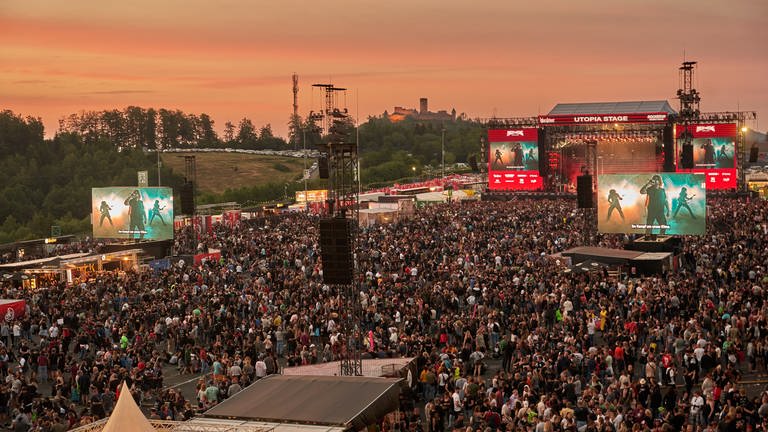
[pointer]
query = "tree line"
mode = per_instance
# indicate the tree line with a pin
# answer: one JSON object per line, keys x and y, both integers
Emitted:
{"x": 152, "y": 129}
{"x": 47, "y": 181}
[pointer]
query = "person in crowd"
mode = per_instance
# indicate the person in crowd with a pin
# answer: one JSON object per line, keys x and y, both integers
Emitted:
{"x": 459, "y": 287}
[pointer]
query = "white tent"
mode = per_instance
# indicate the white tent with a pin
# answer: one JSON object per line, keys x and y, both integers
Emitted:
{"x": 127, "y": 417}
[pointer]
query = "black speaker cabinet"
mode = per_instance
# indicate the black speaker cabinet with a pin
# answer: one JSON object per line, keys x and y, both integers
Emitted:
{"x": 584, "y": 191}
{"x": 336, "y": 250}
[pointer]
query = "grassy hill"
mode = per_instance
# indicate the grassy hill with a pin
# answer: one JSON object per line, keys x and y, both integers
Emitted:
{"x": 217, "y": 172}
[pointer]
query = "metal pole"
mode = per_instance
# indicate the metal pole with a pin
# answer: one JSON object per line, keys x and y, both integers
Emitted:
{"x": 442, "y": 146}
{"x": 158, "y": 166}
{"x": 304, "y": 144}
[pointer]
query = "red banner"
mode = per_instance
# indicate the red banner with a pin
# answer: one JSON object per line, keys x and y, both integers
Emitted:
{"x": 232, "y": 217}
{"x": 576, "y": 119}
{"x": 513, "y": 159}
{"x": 714, "y": 153}
{"x": 214, "y": 256}
{"x": 12, "y": 309}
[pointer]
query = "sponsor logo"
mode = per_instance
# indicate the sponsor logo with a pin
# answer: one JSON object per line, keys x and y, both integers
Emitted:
{"x": 515, "y": 133}
{"x": 705, "y": 128}
{"x": 601, "y": 119}
{"x": 546, "y": 120}
{"x": 657, "y": 117}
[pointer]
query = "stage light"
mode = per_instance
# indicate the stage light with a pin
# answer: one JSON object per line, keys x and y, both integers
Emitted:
{"x": 744, "y": 128}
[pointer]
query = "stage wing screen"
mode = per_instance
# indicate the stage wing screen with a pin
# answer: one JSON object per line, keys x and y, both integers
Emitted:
{"x": 654, "y": 203}
{"x": 513, "y": 159}
{"x": 132, "y": 213}
{"x": 714, "y": 153}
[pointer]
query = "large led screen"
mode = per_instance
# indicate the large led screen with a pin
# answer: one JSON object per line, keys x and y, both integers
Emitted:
{"x": 132, "y": 213}
{"x": 513, "y": 159}
{"x": 714, "y": 153}
{"x": 655, "y": 203}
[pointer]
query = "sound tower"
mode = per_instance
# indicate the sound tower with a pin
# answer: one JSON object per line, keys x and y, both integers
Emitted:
{"x": 584, "y": 191}
{"x": 668, "y": 140}
{"x": 336, "y": 250}
{"x": 187, "y": 194}
{"x": 753, "y": 153}
{"x": 322, "y": 165}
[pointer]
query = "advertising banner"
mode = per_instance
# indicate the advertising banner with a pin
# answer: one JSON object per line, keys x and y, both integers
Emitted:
{"x": 319, "y": 195}
{"x": 653, "y": 203}
{"x": 12, "y": 309}
{"x": 132, "y": 213}
{"x": 714, "y": 153}
{"x": 577, "y": 119}
{"x": 513, "y": 159}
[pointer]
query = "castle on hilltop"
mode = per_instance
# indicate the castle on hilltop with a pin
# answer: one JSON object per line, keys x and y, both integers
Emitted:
{"x": 423, "y": 113}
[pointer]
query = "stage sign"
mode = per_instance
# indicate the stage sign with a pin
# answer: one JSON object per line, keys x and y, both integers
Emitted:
{"x": 714, "y": 153}
{"x": 132, "y": 213}
{"x": 319, "y": 195}
{"x": 577, "y": 119}
{"x": 513, "y": 159}
{"x": 653, "y": 203}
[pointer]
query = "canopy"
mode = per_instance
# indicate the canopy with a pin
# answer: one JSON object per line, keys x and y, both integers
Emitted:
{"x": 636, "y": 107}
{"x": 350, "y": 402}
{"x": 127, "y": 417}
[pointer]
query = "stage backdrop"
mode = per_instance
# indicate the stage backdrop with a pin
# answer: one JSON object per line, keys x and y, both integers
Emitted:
{"x": 653, "y": 203}
{"x": 132, "y": 213}
{"x": 714, "y": 153}
{"x": 513, "y": 159}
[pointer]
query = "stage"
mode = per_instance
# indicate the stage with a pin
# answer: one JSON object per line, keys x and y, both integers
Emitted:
{"x": 627, "y": 260}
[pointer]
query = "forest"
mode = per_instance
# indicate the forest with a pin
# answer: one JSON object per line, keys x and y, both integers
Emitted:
{"x": 47, "y": 182}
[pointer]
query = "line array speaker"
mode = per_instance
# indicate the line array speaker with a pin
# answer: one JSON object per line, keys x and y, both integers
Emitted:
{"x": 584, "y": 191}
{"x": 187, "y": 196}
{"x": 336, "y": 250}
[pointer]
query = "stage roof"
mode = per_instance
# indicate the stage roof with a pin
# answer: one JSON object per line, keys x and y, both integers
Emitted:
{"x": 349, "y": 402}
{"x": 638, "y": 107}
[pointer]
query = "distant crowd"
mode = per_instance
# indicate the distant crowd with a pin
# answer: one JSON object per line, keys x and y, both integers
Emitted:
{"x": 460, "y": 287}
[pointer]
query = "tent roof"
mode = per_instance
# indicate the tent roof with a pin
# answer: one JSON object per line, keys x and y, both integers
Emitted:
{"x": 41, "y": 261}
{"x": 637, "y": 107}
{"x": 350, "y": 402}
{"x": 127, "y": 417}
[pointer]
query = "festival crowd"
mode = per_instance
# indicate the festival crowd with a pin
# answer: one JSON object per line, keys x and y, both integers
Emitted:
{"x": 460, "y": 287}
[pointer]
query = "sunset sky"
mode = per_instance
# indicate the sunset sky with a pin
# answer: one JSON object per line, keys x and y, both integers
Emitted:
{"x": 234, "y": 58}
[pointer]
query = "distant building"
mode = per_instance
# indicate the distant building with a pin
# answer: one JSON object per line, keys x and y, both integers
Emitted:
{"x": 423, "y": 113}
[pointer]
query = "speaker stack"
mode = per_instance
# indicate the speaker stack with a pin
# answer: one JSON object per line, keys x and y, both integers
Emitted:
{"x": 336, "y": 250}
{"x": 187, "y": 198}
{"x": 584, "y": 192}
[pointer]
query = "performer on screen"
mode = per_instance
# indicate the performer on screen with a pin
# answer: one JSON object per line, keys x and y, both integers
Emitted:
{"x": 530, "y": 160}
{"x": 104, "y": 209}
{"x": 136, "y": 215}
{"x": 722, "y": 157}
{"x": 682, "y": 202}
{"x": 517, "y": 155}
{"x": 156, "y": 212}
{"x": 709, "y": 153}
{"x": 613, "y": 200}
{"x": 498, "y": 158}
{"x": 658, "y": 206}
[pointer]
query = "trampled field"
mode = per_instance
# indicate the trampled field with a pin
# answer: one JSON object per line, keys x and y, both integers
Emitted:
{"x": 217, "y": 172}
